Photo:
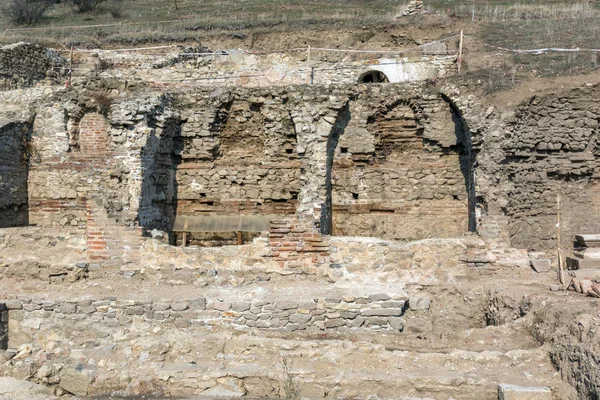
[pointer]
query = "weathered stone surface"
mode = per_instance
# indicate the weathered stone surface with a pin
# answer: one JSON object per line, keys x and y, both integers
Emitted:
{"x": 74, "y": 382}
{"x": 15, "y": 389}
{"x": 382, "y": 312}
{"x": 220, "y": 391}
{"x": 541, "y": 265}
{"x": 513, "y": 392}
{"x": 419, "y": 303}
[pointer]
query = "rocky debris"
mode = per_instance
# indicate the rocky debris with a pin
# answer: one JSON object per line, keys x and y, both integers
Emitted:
{"x": 15, "y": 389}
{"x": 585, "y": 286}
{"x": 36, "y": 270}
{"x": 414, "y": 7}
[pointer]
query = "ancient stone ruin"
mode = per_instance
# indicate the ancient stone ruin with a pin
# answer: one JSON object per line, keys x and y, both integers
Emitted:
{"x": 348, "y": 238}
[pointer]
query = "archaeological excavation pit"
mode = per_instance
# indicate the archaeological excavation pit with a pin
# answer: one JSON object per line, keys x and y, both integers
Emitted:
{"x": 348, "y": 240}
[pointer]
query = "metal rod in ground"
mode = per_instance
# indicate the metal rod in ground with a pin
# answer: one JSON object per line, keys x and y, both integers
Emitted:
{"x": 561, "y": 275}
{"x": 70, "y": 66}
{"x": 308, "y": 71}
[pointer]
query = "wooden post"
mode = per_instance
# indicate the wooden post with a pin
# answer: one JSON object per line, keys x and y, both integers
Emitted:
{"x": 240, "y": 239}
{"x": 308, "y": 65}
{"x": 561, "y": 275}
{"x": 70, "y": 66}
{"x": 184, "y": 238}
{"x": 460, "y": 49}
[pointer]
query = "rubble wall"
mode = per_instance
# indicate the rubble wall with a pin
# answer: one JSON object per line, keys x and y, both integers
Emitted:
{"x": 552, "y": 150}
{"x": 24, "y": 64}
{"x": 149, "y": 337}
{"x": 396, "y": 157}
{"x": 13, "y": 174}
{"x": 239, "y": 69}
{"x": 84, "y": 152}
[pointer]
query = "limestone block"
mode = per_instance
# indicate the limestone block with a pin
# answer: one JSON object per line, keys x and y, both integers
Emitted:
{"x": 513, "y": 392}
{"x": 74, "y": 382}
{"x": 541, "y": 265}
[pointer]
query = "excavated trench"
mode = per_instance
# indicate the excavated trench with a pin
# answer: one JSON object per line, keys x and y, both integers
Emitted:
{"x": 458, "y": 341}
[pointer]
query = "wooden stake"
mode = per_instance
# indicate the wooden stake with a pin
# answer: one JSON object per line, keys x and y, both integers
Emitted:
{"x": 561, "y": 275}
{"x": 240, "y": 239}
{"x": 308, "y": 65}
{"x": 184, "y": 238}
{"x": 70, "y": 66}
{"x": 460, "y": 49}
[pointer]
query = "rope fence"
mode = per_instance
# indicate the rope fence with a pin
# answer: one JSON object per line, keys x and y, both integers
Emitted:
{"x": 308, "y": 71}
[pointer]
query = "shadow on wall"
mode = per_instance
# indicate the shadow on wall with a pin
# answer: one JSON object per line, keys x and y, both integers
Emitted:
{"x": 373, "y": 77}
{"x": 159, "y": 186}
{"x": 341, "y": 122}
{"x": 16, "y": 151}
{"x": 467, "y": 160}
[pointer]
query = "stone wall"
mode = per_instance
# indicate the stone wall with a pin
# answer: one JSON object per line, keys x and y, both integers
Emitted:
{"x": 24, "y": 64}
{"x": 359, "y": 155}
{"x": 551, "y": 149}
{"x": 34, "y": 320}
{"x": 400, "y": 169}
{"x": 241, "y": 69}
{"x": 14, "y": 173}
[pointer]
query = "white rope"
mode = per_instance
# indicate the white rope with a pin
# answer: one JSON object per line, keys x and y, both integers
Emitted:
{"x": 385, "y": 51}
{"x": 536, "y": 51}
{"x": 118, "y": 50}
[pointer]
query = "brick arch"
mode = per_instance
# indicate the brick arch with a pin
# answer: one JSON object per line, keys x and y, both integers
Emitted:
{"x": 93, "y": 134}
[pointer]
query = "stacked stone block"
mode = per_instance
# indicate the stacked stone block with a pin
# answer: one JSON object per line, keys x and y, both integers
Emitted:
{"x": 32, "y": 319}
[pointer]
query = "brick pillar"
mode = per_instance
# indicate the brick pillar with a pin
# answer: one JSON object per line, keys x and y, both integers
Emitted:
{"x": 93, "y": 134}
{"x": 96, "y": 241}
{"x": 295, "y": 243}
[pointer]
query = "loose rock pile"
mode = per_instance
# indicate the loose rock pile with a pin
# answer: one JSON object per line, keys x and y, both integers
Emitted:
{"x": 414, "y": 7}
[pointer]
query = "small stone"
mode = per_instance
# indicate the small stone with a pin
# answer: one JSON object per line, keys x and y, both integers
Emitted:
{"x": 396, "y": 323}
{"x": 197, "y": 304}
{"x": 541, "y": 265}
{"x": 13, "y": 304}
{"x": 356, "y": 322}
{"x": 300, "y": 318}
{"x": 348, "y": 314}
{"x": 334, "y": 323}
{"x": 250, "y": 316}
{"x": 220, "y": 305}
{"x": 556, "y": 288}
{"x": 419, "y": 303}
{"x": 381, "y": 312}
{"x": 179, "y": 306}
{"x": 379, "y": 297}
{"x": 286, "y": 305}
{"x": 240, "y": 306}
{"x": 81, "y": 264}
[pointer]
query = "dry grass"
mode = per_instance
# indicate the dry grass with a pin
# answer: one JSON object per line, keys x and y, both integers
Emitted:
{"x": 526, "y": 11}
